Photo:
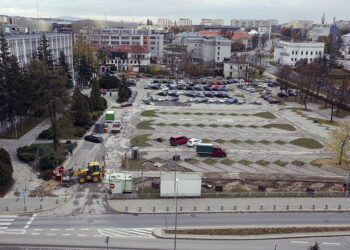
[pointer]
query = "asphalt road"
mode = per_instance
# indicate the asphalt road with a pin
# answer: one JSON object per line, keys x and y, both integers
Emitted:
{"x": 135, "y": 231}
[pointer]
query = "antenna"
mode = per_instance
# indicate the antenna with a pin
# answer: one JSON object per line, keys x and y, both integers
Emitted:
{"x": 37, "y": 16}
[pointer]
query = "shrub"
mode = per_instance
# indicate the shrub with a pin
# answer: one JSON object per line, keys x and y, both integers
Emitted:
{"x": 27, "y": 153}
{"x": 46, "y": 134}
{"x": 46, "y": 175}
{"x": 79, "y": 132}
{"x": 50, "y": 161}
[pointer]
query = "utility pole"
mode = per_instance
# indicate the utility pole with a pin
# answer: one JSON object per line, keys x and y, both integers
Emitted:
{"x": 176, "y": 180}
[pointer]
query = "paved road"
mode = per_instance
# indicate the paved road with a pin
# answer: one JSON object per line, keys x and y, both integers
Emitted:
{"x": 134, "y": 232}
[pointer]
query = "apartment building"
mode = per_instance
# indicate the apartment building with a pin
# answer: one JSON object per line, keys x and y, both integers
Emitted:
{"x": 317, "y": 31}
{"x": 184, "y": 22}
{"x": 209, "y": 50}
{"x": 288, "y": 53}
{"x": 300, "y": 24}
{"x": 236, "y": 67}
{"x": 181, "y": 39}
{"x": 165, "y": 22}
{"x": 253, "y": 23}
{"x": 345, "y": 46}
{"x": 147, "y": 38}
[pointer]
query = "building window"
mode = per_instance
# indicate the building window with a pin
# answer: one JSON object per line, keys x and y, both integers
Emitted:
{"x": 302, "y": 52}
{"x": 292, "y": 53}
{"x": 307, "y": 52}
{"x": 218, "y": 48}
{"x": 218, "y": 58}
{"x": 231, "y": 67}
{"x": 311, "y": 52}
{"x": 296, "y": 52}
{"x": 218, "y": 53}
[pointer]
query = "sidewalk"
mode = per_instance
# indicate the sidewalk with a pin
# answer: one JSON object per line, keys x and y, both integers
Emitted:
{"x": 27, "y": 204}
{"x": 234, "y": 205}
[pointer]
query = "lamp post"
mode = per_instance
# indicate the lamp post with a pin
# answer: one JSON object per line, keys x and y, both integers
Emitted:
{"x": 176, "y": 181}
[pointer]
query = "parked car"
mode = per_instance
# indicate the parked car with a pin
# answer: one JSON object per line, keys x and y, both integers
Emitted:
{"x": 126, "y": 104}
{"x": 94, "y": 138}
{"x": 178, "y": 140}
{"x": 193, "y": 142}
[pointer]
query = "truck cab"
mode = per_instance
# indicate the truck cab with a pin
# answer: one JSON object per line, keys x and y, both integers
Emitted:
{"x": 218, "y": 152}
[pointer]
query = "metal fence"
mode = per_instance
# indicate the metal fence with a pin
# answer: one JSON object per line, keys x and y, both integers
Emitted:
{"x": 233, "y": 195}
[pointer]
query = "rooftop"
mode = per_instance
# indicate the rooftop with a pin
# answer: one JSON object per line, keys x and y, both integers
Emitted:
{"x": 235, "y": 60}
{"x": 238, "y": 35}
{"x": 129, "y": 48}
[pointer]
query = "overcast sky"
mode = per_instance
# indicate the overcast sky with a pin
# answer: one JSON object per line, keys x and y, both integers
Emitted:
{"x": 140, "y": 10}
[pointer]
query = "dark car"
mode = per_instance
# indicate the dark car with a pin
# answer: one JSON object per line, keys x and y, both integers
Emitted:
{"x": 281, "y": 94}
{"x": 93, "y": 138}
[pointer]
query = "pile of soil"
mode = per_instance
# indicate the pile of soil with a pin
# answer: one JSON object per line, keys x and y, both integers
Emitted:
{"x": 45, "y": 189}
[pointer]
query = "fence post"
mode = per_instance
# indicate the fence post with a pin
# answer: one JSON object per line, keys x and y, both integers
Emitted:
{"x": 7, "y": 208}
{"x": 326, "y": 207}
{"x": 56, "y": 201}
{"x": 248, "y": 207}
{"x": 261, "y": 207}
{"x": 300, "y": 207}
{"x": 154, "y": 209}
{"x": 339, "y": 207}
{"x": 41, "y": 206}
{"x": 222, "y": 208}
{"x": 126, "y": 208}
{"x": 181, "y": 208}
{"x": 313, "y": 207}
{"x": 235, "y": 208}
{"x": 140, "y": 208}
{"x": 287, "y": 208}
{"x": 274, "y": 207}
{"x": 167, "y": 209}
{"x": 195, "y": 208}
{"x": 208, "y": 208}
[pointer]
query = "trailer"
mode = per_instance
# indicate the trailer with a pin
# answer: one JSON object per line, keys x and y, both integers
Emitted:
{"x": 180, "y": 184}
{"x": 110, "y": 116}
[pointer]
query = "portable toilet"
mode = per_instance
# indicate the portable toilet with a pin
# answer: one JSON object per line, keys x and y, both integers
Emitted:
{"x": 109, "y": 117}
{"x": 99, "y": 127}
{"x": 128, "y": 183}
{"x": 116, "y": 183}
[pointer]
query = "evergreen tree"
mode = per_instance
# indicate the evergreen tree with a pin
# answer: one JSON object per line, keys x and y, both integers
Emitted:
{"x": 6, "y": 169}
{"x": 65, "y": 66}
{"x": 124, "y": 92}
{"x": 44, "y": 52}
{"x": 84, "y": 70}
{"x": 80, "y": 109}
{"x": 96, "y": 101}
{"x": 9, "y": 89}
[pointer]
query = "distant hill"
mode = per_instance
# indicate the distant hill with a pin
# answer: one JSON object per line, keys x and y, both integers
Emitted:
{"x": 70, "y": 18}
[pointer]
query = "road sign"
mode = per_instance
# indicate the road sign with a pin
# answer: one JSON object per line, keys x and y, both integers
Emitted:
{"x": 24, "y": 193}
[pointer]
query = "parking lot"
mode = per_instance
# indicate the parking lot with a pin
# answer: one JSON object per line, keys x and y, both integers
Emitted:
{"x": 265, "y": 137}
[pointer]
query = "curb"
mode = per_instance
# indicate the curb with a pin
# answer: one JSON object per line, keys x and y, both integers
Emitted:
{"x": 11, "y": 212}
{"x": 159, "y": 233}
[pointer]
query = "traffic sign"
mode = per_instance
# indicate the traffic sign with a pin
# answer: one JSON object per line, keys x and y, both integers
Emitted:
{"x": 24, "y": 193}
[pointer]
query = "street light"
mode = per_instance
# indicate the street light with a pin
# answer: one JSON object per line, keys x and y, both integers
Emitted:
{"x": 176, "y": 181}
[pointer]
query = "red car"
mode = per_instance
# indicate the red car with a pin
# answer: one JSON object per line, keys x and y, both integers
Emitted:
{"x": 126, "y": 104}
{"x": 178, "y": 140}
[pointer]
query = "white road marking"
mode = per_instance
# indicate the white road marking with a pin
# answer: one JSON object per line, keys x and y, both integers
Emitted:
{"x": 35, "y": 233}
{"x": 9, "y": 219}
{"x": 299, "y": 242}
{"x": 98, "y": 236}
{"x": 29, "y": 222}
{"x": 331, "y": 243}
{"x": 82, "y": 235}
{"x": 84, "y": 229}
{"x": 38, "y": 229}
{"x": 54, "y": 229}
{"x": 66, "y": 234}
{"x": 4, "y": 224}
{"x": 69, "y": 229}
{"x": 3, "y": 228}
{"x": 51, "y": 234}
{"x": 26, "y": 226}
{"x": 8, "y": 216}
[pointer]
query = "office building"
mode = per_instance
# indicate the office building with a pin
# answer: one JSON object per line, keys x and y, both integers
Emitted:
{"x": 253, "y": 23}
{"x": 165, "y": 22}
{"x": 183, "y": 22}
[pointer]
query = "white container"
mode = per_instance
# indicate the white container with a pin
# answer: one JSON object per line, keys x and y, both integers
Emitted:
{"x": 180, "y": 185}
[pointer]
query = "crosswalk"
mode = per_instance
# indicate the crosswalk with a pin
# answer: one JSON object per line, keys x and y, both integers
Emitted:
{"x": 6, "y": 221}
{"x": 127, "y": 232}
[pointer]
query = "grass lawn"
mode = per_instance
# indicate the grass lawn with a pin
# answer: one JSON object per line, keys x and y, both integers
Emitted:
{"x": 227, "y": 126}
{"x": 219, "y": 140}
{"x": 22, "y": 128}
{"x": 263, "y": 163}
{"x": 187, "y": 125}
{"x": 157, "y": 159}
{"x": 287, "y": 127}
{"x": 210, "y": 161}
{"x": 206, "y": 140}
{"x": 227, "y": 162}
{"x": 200, "y": 125}
{"x": 280, "y": 142}
{"x": 145, "y": 125}
{"x": 281, "y": 163}
{"x": 162, "y": 124}
{"x": 135, "y": 164}
{"x": 149, "y": 113}
{"x": 267, "y": 115}
{"x": 198, "y": 113}
{"x": 250, "y": 141}
{"x": 140, "y": 140}
{"x": 193, "y": 161}
{"x": 298, "y": 163}
{"x": 307, "y": 143}
{"x": 239, "y": 126}
{"x": 234, "y": 141}
{"x": 213, "y": 125}
{"x": 174, "y": 124}
{"x": 245, "y": 162}
{"x": 252, "y": 126}
{"x": 241, "y": 96}
{"x": 264, "y": 142}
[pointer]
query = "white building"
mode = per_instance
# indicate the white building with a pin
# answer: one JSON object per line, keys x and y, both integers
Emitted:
{"x": 317, "y": 31}
{"x": 184, "y": 22}
{"x": 181, "y": 39}
{"x": 165, "y": 22}
{"x": 263, "y": 30}
{"x": 212, "y": 22}
{"x": 236, "y": 67}
{"x": 128, "y": 58}
{"x": 253, "y": 23}
{"x": 288, "y": 53}
{"x": 345, "y": 47}
{"x": 149, "y": 39}
{"x": 209, "y": 50}
{"x": 24, "y": 46}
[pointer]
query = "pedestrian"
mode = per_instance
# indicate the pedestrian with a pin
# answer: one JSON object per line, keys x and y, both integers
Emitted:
{"x": 70, "y": 151}
{"x": 110, "y": 93}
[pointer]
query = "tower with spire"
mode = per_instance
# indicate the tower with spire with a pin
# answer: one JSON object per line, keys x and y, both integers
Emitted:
{"x": 323, "y": 19}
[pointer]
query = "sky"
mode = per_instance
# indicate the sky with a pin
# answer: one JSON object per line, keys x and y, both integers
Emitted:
{"x": 141, "y": 10}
